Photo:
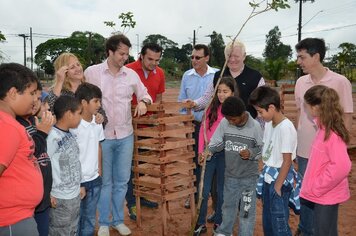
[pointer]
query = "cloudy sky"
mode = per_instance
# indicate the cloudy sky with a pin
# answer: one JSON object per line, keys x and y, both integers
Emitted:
{"x": 333, "y": 20}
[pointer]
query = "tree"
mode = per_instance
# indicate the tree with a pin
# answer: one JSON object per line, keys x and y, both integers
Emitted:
{"x": 161, "y": 40}
{"x": 217, "y": 47}
{"x": 127, "y": 22}
{"x": 2, "y": 37}
{"x": 275, "y": 49}
{"x": 87, "y": 46}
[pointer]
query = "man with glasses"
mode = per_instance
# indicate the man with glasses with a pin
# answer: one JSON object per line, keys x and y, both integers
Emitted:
{"x": 152, "y": 76}
{"x": 194, "y": 83}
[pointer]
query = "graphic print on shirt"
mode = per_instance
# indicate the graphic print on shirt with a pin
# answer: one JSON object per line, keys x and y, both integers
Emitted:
{"x": 267, "y": 154}
{"x": 69, "y": 163}
{"x": 235, "y": 146}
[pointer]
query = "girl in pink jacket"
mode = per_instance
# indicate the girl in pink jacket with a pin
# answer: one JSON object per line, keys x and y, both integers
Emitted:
{"x": 325, "y": 183}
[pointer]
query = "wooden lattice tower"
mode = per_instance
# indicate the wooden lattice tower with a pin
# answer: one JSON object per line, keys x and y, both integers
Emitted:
{"x": 163, "y": 157}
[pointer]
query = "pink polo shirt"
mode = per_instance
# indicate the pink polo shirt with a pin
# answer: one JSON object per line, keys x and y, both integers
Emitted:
{"x": 306, "y": 128}
{"x": 117, "y": 92}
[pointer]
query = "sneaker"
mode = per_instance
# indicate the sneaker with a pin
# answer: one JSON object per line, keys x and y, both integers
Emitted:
{"x": 211, "y": 218}
{"x": 103, "y": 231}
{"x": 132, "y": 213}
{"x": 123, "y": 229}
{"x": 187, "y": 203}
{"x": 147, "y": 203}
{"x": 199, "y": 229}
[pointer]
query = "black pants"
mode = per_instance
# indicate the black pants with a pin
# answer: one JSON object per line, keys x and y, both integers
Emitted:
{"x": 325, "y": 219}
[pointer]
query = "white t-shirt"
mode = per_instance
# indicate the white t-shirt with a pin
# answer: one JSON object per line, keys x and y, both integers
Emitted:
{"x": 276, "y": 141}
{"x": 88, "y": 136}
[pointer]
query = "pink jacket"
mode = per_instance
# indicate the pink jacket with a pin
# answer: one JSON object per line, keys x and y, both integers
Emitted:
{"x": 325, "y": 180}
{"x": 209, "y": 132}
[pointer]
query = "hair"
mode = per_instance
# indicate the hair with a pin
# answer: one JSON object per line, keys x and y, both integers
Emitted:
{"x": 234, "y": 44}
{"x": 13, "y": 75}
{"x": 312, "y": 46}
{"x": 214, "y": 106}
{"x": 204, "y": 47}
{"x": 233, "y": 106}
{"x": 264, "y": 96}
{"x": 114, "y": 41}
{"x": 330, "y": 110}
{"x": 63, "y": 60}
{"x": 87, "y": 92}
{"x": 63, "y": 104}
{"x": 151, "y": 46}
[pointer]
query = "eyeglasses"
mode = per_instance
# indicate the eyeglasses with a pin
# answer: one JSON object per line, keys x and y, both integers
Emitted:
{"x": 196, "y": 57}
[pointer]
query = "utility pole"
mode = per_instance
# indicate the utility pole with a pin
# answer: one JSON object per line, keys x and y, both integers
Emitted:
{"x": 301, "y": 16}
{"x": 31, "y": 48}
{"x": 24, "y": 36}
{"x": 194, "y": 39}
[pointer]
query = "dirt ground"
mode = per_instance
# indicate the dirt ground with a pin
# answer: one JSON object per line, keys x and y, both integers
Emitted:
{"x": 180, "y": 218}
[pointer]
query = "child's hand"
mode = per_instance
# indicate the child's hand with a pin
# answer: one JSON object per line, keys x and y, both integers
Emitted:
{"x": 278, "y": 190}
{"x": 83, "y": 192}
{"x": 53, "y": 202}
{"x": 46, "y": 123}
{"x": 245, "y": 154}
{"x": 99, "y": 118}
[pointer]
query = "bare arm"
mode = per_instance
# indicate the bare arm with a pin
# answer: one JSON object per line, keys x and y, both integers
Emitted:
{"x": 348, "y": 121}
{"x": 2, "y": 169}
{"x": 283, "y": 172}
{"x": 159, "y": 97}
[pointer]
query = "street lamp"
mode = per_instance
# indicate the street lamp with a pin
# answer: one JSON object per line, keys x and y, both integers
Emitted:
{"x": 194, "y": 37}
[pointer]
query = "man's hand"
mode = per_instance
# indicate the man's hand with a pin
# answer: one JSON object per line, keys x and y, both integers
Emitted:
{"x": 190, "y": 103}
{"x": 83, "y": 193}
{"x": 141, "y": 109}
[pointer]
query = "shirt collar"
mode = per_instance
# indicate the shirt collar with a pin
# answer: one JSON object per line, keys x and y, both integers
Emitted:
{"x": 122, "y": 71}
{"x": 324, "y": 79}
{"x": 210, "y": 70}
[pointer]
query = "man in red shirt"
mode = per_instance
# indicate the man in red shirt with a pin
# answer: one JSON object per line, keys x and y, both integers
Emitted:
{"x": 152, "y": 76}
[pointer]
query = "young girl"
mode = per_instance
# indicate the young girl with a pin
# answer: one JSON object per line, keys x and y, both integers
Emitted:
{"x": 325, "y": 183}
{"x": 216, "y": 165}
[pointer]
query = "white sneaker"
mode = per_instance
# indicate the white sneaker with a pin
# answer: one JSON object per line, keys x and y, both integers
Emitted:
{"x": 123, "y": 229}
{"x": 103, "y": 231}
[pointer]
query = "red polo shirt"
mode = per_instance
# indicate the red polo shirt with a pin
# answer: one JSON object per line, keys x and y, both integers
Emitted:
{"x": 155, "y": 82}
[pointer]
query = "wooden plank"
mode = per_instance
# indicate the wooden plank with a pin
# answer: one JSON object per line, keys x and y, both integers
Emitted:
{"x": 169, "y": 131}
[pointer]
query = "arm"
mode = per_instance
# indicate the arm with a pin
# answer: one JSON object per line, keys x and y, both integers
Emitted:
{"x": 217, "y": 143}
{"x": 283, "y": 172}
{"x": 347, "y": 117}
{"x": 142, "y": 97}
{"x": 100, "y": 159}
{"x": 202, "y": 102}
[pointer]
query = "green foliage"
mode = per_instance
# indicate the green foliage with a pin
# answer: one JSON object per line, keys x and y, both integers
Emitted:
{"x": 275, "y": 68}
{"x": 127, "y": 23}
{"x": 87, "y": 46}
{"x": 275, "y": 49}
{"x": 216, "y": 46}
{"x": 2, "y": 37}
{"x": 161, "y": 40}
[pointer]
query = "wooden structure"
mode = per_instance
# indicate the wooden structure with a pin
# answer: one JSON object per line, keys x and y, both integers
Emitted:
{"x": 163, "y": 157}
{"x": 288, "y": 105}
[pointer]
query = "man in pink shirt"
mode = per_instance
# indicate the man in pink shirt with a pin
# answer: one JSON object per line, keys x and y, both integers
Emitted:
{"x": 118, "y": 84}
{"x": 311, "y": 52}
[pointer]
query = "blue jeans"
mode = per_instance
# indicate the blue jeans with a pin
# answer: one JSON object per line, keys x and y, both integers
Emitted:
{"x": 88, "y": 205}
{"x": 42, "y": 220}
{"x": 239, "y": 198}
{"x": 275, "y": 213}
{"x": 215, "y": 165}
{"x": 117, "y": 158}
{"x": 306, "y": 222}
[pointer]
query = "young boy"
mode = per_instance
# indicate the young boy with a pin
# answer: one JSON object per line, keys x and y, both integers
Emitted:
{"x": 241, "y": 137}
{"x": 63, "y": 150}
{"x": 279, "y": 150}
{"x": 20, "y": 177}
{"x": 88, "y": 136}
{"x": 38, "y": 130}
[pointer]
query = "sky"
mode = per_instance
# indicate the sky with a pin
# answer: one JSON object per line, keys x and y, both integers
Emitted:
{"x": 332, "y": 20}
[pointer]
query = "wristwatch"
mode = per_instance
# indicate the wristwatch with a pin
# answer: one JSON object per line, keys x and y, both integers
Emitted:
{"x": 146, "y": 102}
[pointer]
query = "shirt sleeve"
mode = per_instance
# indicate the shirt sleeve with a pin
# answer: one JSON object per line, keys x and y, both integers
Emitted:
{"x": 346, "y": 100}
{"x": 261, "y": 82}
{"x": 182, "y": 94}
{"x": 140, "y": 89}
{"x": 216, "y": 143}
{"x": 203, "y": 101}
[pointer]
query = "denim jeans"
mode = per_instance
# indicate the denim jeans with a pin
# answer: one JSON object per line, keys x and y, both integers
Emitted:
{"x": 42, "y": 220}
{"x": 275, "y": 213}
{"x": 88, "y": 205}
{"x": 306, "y": 222}
{"x": 326, "y": 219}
{"x": 117, "y": 158}
{"x": 216, "y": 165}
{"x": 239, "y": 198}
{"x": 63, "y": 220}
{"x": 26, "y": 227}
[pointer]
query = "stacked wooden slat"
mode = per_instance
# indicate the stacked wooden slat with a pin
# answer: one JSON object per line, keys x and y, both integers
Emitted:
{"x": 163, "y": 157}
